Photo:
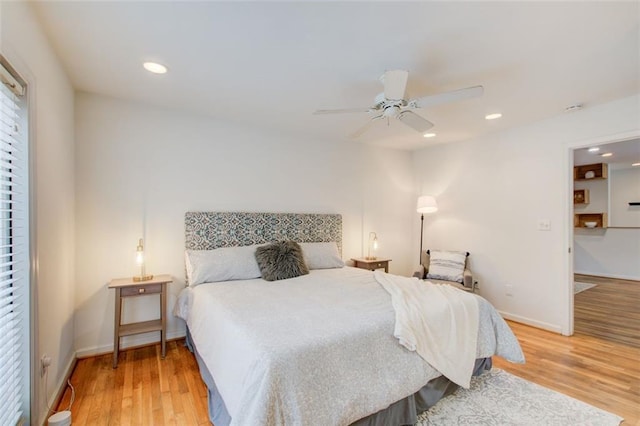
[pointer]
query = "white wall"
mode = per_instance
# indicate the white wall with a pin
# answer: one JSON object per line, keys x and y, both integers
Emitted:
{"x": 52, "y": 137}
{"x": 624, "y": 188}
{"x": 492, "y": 192}
{"x": 139, "y": 169}
{"x": 613, "y": 252}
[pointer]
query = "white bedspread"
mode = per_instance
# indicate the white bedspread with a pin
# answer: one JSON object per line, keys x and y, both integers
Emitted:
{"x": 314, "y": 350}
{"x": 437, "y": 321}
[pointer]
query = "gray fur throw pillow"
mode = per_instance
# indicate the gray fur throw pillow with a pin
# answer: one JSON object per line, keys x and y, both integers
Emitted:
{"x": 281, "y": 260}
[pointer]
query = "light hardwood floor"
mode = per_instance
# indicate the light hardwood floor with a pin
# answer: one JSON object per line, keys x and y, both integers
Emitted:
{"x": 144, "y": 390}
{"x": 610, "y": 310}
{"x": 599, "y": 372}
{"x": 147, "y": 390}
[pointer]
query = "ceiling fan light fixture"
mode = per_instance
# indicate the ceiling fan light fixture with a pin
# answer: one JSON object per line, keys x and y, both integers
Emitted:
{"x": 493, "y": 116}
{"x": 391, "y": 111}
{"x": 429, "y": 135}
{"x": 155, "y": 67}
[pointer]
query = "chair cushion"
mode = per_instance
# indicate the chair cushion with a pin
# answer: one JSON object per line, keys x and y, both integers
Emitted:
{"x": 447, "y": 265}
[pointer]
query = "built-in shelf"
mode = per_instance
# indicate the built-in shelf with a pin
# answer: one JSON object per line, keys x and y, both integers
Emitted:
{"x": 580, "y": 220}
{"x": 581, "y": 196}
{"x": 590, "y": 171}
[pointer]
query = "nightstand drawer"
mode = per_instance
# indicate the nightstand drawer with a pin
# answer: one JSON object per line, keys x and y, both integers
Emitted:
{"x": 140, "y": 290}
{"x": 372, "y": 264}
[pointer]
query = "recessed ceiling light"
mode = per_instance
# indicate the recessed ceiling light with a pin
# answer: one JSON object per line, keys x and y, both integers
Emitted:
{"x": 429, "y": 135}
{"x": 594, "y": 149}
{"x": 607, "y": 154}
{"x": 635, "y": 164}
{"x": 493, "y": 116}
{"x": 155, "y": 67}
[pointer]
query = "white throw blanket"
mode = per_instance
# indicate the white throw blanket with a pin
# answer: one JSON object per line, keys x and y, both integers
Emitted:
{"x": 437, "y": 321}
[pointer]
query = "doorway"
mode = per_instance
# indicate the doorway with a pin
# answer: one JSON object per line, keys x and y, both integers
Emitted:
{"x": 605, "y": 236}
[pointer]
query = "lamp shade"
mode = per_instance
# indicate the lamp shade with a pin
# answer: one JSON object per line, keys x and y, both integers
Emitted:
{"x": 427, "y": 204}
{"x": 373, "y": 246}
{"x": 140, "y": 262}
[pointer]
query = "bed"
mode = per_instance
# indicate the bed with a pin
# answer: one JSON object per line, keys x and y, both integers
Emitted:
{"x": 315, "y": 349}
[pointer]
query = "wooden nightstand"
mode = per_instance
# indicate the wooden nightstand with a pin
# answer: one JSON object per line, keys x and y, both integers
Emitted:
{"x": 126, "y": 287}
{"x": 372, "y": 265}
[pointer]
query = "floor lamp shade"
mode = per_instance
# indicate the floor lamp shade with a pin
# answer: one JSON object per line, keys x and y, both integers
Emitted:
{"x": 426, "y": 204}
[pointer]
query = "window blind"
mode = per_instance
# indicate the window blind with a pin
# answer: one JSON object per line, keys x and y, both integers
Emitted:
{"x": 14, "y": 251}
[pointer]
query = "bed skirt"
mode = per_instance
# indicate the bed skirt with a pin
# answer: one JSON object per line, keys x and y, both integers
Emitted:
{"x": 403, "y": 412}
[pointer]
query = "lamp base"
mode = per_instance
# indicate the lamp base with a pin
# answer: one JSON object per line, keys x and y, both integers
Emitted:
{"x": 370, "y": 258}
{"x": 142, "y": 278}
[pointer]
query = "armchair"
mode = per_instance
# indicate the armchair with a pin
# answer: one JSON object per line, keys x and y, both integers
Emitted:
{"x": 467, "y": 284}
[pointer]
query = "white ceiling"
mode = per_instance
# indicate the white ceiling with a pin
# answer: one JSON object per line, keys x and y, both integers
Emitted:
{"x": 624, "y": 154}
{"x": 270, "y": 65}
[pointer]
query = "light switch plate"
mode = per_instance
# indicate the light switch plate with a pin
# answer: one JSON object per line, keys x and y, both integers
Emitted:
{"x": 544, "y": 225}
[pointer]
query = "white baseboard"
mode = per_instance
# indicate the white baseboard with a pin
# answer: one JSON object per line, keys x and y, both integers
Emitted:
{"x": 128, "y": 342}
{"x": 532, "y": 322}
{"x": 600, "y": 274}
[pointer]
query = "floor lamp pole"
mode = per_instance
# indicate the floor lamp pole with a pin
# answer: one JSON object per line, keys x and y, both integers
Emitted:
{"x": 421, "y": 234}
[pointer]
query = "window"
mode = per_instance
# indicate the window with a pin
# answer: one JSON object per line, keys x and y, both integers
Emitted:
{"x": 14, "y": 250}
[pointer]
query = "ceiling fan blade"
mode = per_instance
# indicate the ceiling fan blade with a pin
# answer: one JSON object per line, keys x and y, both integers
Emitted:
{"x": 364, "y": 128}
{"x": 414, "y": 121}
{"x": 340, "y": 111}
{"x": 446, "y": 97}
{"x": 395, "y": 84}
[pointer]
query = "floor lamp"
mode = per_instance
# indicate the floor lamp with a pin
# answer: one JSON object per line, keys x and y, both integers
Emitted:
{"x": 426, "y": 204}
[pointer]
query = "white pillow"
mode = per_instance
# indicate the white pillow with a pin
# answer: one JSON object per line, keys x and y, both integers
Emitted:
{"x": 223, "y": 264}
{"x": 446, "y": 265}
{"x": 321, "y": 255}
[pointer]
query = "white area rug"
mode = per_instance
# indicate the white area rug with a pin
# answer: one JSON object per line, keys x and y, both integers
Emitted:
{"x": 578, "y": 287}
{"x": 498, "y": 398}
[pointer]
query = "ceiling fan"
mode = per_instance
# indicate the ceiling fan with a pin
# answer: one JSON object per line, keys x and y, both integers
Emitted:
{"x": 392, "y": 103}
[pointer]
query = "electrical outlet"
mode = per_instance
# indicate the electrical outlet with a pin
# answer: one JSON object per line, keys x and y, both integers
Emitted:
{"x": 509, "y": 290}
{"x": 45, "y": 362}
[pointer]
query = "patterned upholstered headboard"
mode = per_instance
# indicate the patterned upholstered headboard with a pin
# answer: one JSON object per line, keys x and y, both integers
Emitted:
{"x": 210, "y": 230}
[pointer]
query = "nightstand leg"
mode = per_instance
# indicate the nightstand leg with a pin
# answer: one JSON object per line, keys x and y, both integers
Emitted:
{"x": 163, "y": 315}
{"x": 116, "y": 328}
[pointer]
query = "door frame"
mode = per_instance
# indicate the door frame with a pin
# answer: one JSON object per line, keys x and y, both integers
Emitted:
{"x": 619, "y": 137}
